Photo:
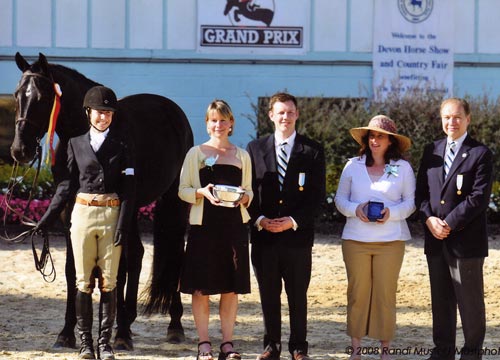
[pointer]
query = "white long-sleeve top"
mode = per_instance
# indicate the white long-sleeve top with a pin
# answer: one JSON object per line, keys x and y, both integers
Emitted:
{"x": 396, "y": 192}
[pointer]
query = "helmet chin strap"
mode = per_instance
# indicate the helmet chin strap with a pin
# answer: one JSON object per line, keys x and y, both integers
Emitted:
{"x": 99, "y": 129}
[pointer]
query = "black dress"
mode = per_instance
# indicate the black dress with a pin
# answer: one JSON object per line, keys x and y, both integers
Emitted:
{"x": 216, "y": 260}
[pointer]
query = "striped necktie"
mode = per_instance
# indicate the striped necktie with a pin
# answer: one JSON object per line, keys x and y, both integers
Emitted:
{"x": 449, "y": 157}
{"x": 282, "y": 164}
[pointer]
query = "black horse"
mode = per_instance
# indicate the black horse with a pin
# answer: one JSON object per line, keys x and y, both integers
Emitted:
{"x": 250, "y": 11}
{"x": 162, "y": 137}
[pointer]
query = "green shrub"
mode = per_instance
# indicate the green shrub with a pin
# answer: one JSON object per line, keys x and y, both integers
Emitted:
{"x": 23, "y": 179}
{"x": 7, "y": 115}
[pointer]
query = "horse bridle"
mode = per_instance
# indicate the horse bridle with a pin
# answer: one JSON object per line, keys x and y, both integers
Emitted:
{"x": 45, "y": 257}
{"x": 37, "y": 158}
{"x": 41, "y": 76}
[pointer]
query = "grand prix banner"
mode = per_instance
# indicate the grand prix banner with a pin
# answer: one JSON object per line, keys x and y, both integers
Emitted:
{"x": 413, "y": 46}
{"x": 253, "y": 26}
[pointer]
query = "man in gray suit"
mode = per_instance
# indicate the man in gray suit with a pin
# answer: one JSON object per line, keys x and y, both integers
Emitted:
{"x": 453, "y": 191}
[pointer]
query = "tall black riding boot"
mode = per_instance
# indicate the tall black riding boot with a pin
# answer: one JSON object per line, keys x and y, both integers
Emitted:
{"x": 84, "y": 324}
{"x": 107, "y": 313}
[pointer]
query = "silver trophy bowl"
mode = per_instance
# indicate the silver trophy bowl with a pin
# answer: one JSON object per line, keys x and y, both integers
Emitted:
{"x": 228, "y": 195}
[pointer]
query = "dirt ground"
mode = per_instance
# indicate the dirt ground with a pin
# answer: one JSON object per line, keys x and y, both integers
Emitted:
{"x": 32, "y": 311}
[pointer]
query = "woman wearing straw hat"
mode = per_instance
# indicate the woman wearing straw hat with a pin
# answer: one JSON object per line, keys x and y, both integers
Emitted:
{"x": 376, "y": 194}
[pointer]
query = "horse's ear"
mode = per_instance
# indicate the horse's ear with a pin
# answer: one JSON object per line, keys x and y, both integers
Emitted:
{"x": 21, "y": 62}
{"x": 44, "y": 64}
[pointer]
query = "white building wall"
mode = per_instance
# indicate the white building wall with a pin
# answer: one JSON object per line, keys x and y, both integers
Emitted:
{"x": 465, "y": 31}
{"x": 6, "y": 21}
{"x": 329, "y": 27}
{"x": 33, "y": 23}
{"x": 150, "y": 46}
{"x": 146, "y": 24}
{"x": 71, "y": 19}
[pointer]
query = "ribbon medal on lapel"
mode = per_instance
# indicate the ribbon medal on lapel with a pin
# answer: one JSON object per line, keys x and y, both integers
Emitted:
{"x": 302, "y": 181}
{"x": 391, "y": 169}
{"x": 460, "y": 181}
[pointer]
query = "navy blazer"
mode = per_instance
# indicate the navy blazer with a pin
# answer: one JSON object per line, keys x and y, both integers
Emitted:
{"x": 464, "y": 210}
{"x": 300, "y": 202}
{"x": 100, "y": 172}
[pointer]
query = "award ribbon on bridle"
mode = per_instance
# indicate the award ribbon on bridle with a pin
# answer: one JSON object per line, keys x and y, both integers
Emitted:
{"x": 54, "y": 114}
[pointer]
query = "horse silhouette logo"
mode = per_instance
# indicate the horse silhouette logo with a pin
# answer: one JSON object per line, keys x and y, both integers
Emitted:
{"x": 247, "y": 12}
{"x": 415, "y": 11}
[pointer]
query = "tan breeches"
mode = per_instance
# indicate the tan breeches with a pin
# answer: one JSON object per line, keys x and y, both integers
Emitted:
{"x": 92, "y": 234}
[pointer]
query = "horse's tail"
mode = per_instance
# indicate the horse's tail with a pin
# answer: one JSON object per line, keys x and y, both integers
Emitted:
{"x": 170, "y": 221}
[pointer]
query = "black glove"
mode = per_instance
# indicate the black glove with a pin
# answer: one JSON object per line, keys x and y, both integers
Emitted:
{"x": 120, "y": 238}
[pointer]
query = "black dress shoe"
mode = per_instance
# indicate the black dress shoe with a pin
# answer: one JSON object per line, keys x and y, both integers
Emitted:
{"x": 300, "y": 355}
{"x": 271, "y": 352}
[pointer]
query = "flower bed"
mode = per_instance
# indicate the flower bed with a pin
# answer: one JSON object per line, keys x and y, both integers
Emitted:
{"x": 38, "y": 207}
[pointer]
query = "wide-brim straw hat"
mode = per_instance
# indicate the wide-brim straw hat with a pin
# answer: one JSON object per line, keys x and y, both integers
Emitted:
{"x": 383, "y": 124}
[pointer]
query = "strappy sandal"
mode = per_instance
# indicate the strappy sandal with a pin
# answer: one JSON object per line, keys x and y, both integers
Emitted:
{"x": 230, "y": 355}
{"x": 204, "y": 355}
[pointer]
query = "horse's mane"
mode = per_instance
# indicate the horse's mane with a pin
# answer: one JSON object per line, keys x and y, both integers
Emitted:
{"x": 71, "y": 73}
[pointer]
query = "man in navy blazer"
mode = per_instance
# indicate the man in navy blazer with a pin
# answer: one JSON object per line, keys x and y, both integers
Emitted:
{"x": 283, "y": 213}
{"x": 453, "y": 208}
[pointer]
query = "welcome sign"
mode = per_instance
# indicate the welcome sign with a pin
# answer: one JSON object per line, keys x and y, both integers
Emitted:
{"x": 253, "y": 26}
{"x": 412, "y": 48}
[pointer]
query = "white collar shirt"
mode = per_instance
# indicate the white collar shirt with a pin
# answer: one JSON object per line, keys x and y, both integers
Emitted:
{"x": 290, "y": 141}
{"x": 97, "y": 138}
{"x": 458, "y": 143}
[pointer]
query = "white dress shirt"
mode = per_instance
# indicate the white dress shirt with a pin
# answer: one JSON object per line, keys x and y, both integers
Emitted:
{"x": 290, "y": 141}
{"x": 288, "y": 146}
{"x": 458, "y": 143}
{"x": 97, "y": 138}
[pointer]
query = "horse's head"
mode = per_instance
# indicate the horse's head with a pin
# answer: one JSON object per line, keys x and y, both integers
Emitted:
{"x": 34, "y": 101}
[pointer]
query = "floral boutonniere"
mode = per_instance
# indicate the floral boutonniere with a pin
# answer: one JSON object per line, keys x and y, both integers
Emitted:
{"x": 210, "y": 161}
{"x": 391, "y": 170}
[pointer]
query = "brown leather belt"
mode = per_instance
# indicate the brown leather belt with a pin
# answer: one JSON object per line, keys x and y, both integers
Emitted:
{"x": 112, "y": 202}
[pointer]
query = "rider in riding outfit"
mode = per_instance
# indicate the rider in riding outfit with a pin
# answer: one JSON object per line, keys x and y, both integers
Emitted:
{"x": 100, "y": 178}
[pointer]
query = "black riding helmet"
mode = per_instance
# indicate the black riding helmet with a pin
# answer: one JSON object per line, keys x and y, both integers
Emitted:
{"x": 100, "y": 98}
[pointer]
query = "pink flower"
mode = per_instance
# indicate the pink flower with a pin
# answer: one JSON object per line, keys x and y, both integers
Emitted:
{"x": 38, "y": 207}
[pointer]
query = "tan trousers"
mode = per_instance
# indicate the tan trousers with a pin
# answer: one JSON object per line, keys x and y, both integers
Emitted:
{"x": 92, "y": 235}
{"x": 372, "y": 276}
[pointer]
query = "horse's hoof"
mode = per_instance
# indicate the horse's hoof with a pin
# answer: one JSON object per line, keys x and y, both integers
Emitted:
{"x": 64, "y": 342}
{"x": 175, "y": 336}
{"x": 123, "y": 344}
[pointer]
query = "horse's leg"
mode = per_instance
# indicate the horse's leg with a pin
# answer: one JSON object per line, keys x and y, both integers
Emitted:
{"x": 122, "y": 333}
{"x": 175, "y": 331}
{"x": 236, "y": 15}
{"x": 169, "y": 230}
{"x": 66, "y": 337}
{"x": 128, "y": 274}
